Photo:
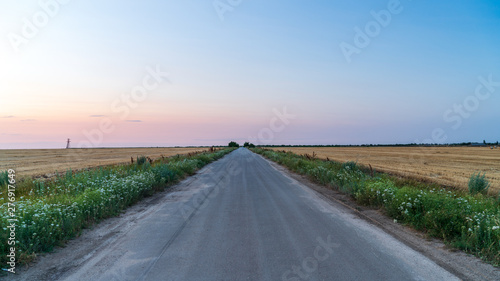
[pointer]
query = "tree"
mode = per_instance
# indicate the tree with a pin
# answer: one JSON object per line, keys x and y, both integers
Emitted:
{"x": 233, "y": 144}
{"x": 249, "y": 145}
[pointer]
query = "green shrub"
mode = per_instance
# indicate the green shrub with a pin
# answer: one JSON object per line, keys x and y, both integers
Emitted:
{"x": 4, "y": 178}
{"x": 164, "y": 174}
{"x": 69, "y": 175}
{"x": 39, "y": 188}
{"x": 146, "y": 166}
{"x": 478, "y": 183}
{"x": 233, "y": 144}
{"x": 376, "y": 193}
{"x": 141, "y": 160}
{"x": 186, "y": 166}
{"x": 350, "y": 165}
{"x": 248, "y": 145}
{"x": 321, "y": 175}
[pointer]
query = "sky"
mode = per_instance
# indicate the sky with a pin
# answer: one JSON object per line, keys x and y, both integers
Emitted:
{"x": 203, "y": 72}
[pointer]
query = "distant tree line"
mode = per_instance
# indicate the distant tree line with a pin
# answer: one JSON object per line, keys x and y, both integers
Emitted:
{"x": 249, "y": 145}
{"x": 246, "y": 144}
{"x": 233, "y": 144}
{"x": 484, "y": 143}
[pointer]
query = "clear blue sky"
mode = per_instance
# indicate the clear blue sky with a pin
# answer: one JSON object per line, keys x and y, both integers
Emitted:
{"x": 229, "y": 72}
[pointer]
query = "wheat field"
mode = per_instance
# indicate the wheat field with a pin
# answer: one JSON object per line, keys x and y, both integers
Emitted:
{"x": 450, "y": 166}
{"x": 37, "y": 162}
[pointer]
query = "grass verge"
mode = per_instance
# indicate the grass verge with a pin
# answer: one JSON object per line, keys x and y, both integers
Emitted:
{"x": 52, "y": 211}
{"x": 468, "y": 222}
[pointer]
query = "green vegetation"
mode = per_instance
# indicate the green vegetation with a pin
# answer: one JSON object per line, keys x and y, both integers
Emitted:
{"x": 233, "y": 144}
{"x": 141, "y": 160}
{"x": 470, "y": 222}
{"x": 51, "y": 211}
{"x": 249, "y": 145}
{"x": 4, "y": 178}
{"x": 384, "y": 145}
{"x": 478, "y": 184}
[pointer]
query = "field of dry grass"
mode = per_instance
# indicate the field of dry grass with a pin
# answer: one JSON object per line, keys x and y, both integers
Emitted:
{"x": 35, "y": 162}
{"x": 450, "y": 166}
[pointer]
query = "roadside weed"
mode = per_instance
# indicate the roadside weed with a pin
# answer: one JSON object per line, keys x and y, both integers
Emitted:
{"x": 478, "y": 183}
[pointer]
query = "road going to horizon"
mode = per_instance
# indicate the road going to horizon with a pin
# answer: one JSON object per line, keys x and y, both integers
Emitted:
{"x": 241, "y": 219}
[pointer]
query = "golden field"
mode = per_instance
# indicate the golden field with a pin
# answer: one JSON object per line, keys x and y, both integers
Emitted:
{"x": 450, "y": 166}
{"x": 35, "y": 162}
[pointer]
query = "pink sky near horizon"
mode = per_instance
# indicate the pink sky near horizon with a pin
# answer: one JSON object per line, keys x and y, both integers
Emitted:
{"x": 53, "y": 132}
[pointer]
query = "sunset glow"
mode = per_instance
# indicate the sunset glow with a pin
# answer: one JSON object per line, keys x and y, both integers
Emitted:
{"x": 180, "y": 73}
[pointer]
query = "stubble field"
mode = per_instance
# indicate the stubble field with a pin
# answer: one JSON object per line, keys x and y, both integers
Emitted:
{"x": 36, "y": 162}
{"x": 450, "y": 166}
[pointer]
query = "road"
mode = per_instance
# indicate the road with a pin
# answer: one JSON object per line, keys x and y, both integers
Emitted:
{"x": 241, "y": 219}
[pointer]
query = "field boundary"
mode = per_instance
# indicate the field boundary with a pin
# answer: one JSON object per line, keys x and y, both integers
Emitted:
{"x": 450, "y": 167}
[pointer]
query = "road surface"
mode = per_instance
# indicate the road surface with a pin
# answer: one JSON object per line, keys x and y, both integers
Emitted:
{"x": 241, "y": 219}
